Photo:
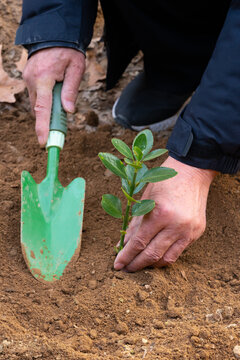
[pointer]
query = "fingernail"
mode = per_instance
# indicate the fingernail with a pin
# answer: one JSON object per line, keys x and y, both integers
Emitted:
{"x": 118, "y": 266}
{"x": 69, "y": 106}
{"x": 41, "y": 140}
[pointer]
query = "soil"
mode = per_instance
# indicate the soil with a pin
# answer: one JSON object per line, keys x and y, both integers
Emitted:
{"x": 190, "y": 310}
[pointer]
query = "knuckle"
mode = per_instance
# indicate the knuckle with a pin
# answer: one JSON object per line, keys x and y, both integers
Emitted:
{"x": 78, "y": 66}
{"x": 139, "y": 243}
{"x": 38, "y": 72}
{"x": 169, "y": 259}
{"x": 186, "y": 222}
{"x": 163, "y": 211}
{"x": 194, "y": 226}
{"x": 40, "y": 107}
{"x": 44, "y": 72}
{"x": 152, "y": 255}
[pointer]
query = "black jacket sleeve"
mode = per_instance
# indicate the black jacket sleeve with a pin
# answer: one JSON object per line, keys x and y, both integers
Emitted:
{"x": 48, "y": 23}
{"x": 207, "y": 133}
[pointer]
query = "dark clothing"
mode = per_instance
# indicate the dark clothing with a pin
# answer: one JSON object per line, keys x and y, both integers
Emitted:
{"x": 178, "y": 40}
{"x": 46, "y": 23}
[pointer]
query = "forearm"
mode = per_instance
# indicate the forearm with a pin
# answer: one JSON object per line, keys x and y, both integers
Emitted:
{"x": 207, "y": 133}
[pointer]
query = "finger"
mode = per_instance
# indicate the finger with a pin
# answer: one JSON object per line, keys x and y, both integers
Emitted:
{"x": 72, "y": 79}
{"x": 148, "y": 229}
{"x": 153, "y": 252}
{"x": 42, "y": 110}
{"x": 173, "y": 253}
{"x": 133, "y": 228}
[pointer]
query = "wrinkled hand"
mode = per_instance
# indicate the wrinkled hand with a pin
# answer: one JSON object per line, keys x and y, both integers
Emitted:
{"x": 178, "y": 219}
{"x": 42, "y": 70}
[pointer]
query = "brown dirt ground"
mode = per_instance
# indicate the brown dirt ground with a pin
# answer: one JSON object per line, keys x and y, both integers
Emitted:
{"x": 188, "y": 311}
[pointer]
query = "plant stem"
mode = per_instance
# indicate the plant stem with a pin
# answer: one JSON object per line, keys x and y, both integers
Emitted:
{"x": 126, "y": 217}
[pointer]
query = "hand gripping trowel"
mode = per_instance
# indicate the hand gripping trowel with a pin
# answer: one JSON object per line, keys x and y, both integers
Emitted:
{"x": 51, "y": 215}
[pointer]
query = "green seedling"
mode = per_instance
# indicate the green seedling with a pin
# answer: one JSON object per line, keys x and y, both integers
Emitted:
{"x": 134, "y": 176}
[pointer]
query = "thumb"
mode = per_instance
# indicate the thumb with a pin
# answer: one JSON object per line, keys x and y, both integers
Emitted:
{"x": 72, "y": 79}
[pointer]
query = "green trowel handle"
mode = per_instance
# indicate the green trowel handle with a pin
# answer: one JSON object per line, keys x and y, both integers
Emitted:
{"x": 58, "y": 120}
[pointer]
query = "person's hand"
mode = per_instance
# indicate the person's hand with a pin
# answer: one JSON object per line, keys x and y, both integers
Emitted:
{"x": 42, "y": 70}
{"x": 178, "y": 219}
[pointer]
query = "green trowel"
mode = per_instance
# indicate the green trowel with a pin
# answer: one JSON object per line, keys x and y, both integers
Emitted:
{"x": 51, "y": 215}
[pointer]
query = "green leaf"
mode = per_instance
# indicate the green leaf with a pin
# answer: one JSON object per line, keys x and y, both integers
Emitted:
{"x": 143, "y": 208}
{"x": 125, "y": 182}
{"x": 130, "y": 173}
{"x": 140, "y": 174}
{"x": 113, "y": 164}
{"x": 126, "y": 185}
{"x": 127, "y": 161}
{"x": 149, "y": 137}
{"x": 122, "y": 148}
{"x": 144, "y": 140}
{"x": 131, "y": 199}
{"x": 158, "y": 174}
{"x": 140, "y": 141}
{"x": 112, "y": 205}
{"x": 154, "y": 154}
{"x": 137, "y": 153}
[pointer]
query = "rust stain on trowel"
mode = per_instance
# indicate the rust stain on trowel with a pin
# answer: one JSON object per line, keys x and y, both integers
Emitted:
{"x": 37, "y": 272}
{"x": 75, "y": 255}
{"x": 32, "y": 255}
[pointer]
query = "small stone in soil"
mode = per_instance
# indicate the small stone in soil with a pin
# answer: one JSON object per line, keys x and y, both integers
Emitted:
{"x": 79, "y": 275}
{"x": 158, "y": 324}
{"x": 103, "y": 341}
{"x": 92, "y": 284}
{"x": 205, "y": 334}
{"x": 173, "y": 311}
{"x": 119, "y": 275}
{"x": 45, "y": 327}
{"x": 236, "y": 351}
{"x": 210, "y": 318}
{"x": 97, "y": 321}
{"x": 139, "y": 322}
{"x": 60, "y": 325}
{"x": 141, "y": 295}
{"x": 93, "y": 334}
{"x": 228, "y": 312}
{"x": 85, "y": 343}
{"x": 195, "y": 331}
{"x": 131, "y": 340}
{"x": 13, "y": 252}
{"x": 121, "y": 328}
{"x": 219, "y": 315}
